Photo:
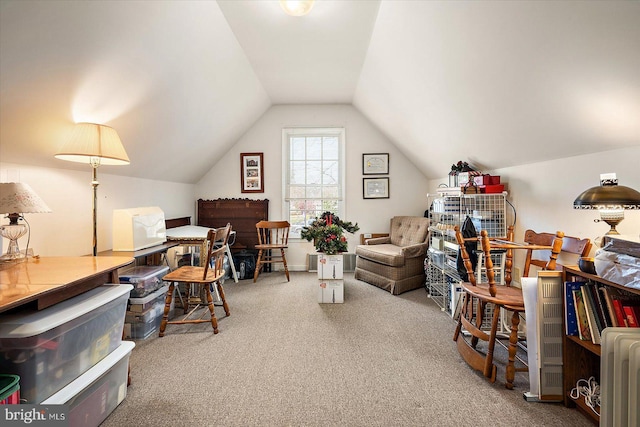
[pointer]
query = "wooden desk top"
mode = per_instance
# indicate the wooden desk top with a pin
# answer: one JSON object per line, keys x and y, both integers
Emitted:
{"x": 163, "y": 247}
{"x": 48, "y": 280}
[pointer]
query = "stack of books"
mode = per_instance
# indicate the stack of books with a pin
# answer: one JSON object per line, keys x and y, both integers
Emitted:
{"x": 590, "y": 308}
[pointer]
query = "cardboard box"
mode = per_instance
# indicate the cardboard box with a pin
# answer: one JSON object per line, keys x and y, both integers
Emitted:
{"x": 331, "y": 292}
{"x": 330, "y": 266}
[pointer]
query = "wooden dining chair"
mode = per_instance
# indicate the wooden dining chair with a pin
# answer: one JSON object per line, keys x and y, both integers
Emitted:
{"x": 571, "y": 246}
{"x": 273, "y": 238}
{"x": 487, "y": 296}
{"x": 204, "y": 278}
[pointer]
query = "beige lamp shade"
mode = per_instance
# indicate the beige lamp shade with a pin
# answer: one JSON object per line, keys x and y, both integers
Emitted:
{"x": 17, "y": 198}
{"x": 95, "y": 144}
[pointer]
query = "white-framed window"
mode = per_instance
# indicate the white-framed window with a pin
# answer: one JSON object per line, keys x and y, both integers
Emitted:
{"x": 313, "y": 169}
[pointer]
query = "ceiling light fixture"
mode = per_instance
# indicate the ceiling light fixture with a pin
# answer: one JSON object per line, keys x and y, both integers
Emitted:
{"x": 296, "y": 7}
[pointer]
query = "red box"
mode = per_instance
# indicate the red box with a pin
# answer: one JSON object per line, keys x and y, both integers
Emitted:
{"x": 498, "y": 188}
{"x": 482, "y": 179}
{"x": 494, "y": 180}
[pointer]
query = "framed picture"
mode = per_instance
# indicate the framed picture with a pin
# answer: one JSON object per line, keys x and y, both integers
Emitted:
{"x": 375, "y": 163}
{"x": 252, "y": 172}
{"x": 375, "y": 188}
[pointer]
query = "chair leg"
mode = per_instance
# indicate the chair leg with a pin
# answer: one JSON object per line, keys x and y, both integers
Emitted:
{"x": 284, "y": 261}
{"x": 489, "y": 369}
{"x": 224, "y": 299}
{"x": 167, "y": 307}
{"x": 513, "y": 348}
{"x": 463, "y": 312}
{"x": 214, "y": 321}
{"x": 479, "y": 320}
{"x": 258, "y": 266}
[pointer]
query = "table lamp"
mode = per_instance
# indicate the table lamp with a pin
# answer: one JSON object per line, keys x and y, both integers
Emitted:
{"x": 17, "y": 199}
{"x": 610, "y": 199}
{"x": 97, "y": 145}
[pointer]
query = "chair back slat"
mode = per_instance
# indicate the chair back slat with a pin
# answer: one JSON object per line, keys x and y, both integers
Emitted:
{"x": 471, "y": 277}
{"x": 560, "y": 243}
{"x": 273, "y": 232}
{"x": 488, "y": 262}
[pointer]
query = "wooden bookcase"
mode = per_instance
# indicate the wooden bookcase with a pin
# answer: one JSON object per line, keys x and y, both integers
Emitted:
{"x": 581, "y": 359}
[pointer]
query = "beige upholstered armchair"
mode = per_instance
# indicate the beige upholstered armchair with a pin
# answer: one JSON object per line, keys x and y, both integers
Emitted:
{"x": 395, "y": 263}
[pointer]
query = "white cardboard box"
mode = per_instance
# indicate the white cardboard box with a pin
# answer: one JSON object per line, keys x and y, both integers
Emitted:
{"x": 331, "y": 291}
{"x": 330, "y": 266}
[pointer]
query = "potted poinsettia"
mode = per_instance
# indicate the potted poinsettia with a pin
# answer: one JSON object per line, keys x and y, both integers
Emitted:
{"x": 327, "y": 233}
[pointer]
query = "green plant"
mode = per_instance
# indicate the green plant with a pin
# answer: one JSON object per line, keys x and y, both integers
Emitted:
{"x": 327, "y": 233}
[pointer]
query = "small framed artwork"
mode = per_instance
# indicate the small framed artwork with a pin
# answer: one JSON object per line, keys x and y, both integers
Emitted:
{"x": 375, "y": 163}
{"x": 375, "y": 188}
{"x": 252, "y": 172}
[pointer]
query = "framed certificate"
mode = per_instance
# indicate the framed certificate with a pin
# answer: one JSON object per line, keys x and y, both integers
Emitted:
{"x": 375, "y": 163}
{"x": 375, "y": 188}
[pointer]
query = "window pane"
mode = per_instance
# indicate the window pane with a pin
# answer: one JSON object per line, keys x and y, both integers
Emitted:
{"x": 297, "y": 173}
{"x": 314, "y": 148}
{"x": 296, "y": 192}
{"x": 314, "y": 173}
{"x": 330, "y": 205}
{"x": 330, "y": 192}
{"x": 314, "y": 192}
{"x": 297, "y": 148}
{"x": 330, "y": 173}
{"x": 330, "y": 148}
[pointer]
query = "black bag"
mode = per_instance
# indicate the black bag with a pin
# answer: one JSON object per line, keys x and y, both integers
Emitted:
{"x": 245, "y": 263}
{"x": 468, "y": 230}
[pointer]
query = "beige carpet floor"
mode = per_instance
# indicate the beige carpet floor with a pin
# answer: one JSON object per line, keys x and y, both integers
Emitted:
{"x": 282, "y": 359}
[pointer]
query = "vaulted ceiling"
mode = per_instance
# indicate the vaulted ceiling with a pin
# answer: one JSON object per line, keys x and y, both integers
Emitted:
{"x": 498, "y": 83}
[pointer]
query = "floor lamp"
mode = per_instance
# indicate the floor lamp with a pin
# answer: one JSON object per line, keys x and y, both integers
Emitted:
{"x": 97, "y": 145}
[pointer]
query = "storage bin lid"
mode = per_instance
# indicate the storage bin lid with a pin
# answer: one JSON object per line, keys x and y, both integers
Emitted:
{"x": 142, "y": 273}
{"x": 32, "y": 323}
{"x": 152, "y": 296}
{"x": 91, "y": 376}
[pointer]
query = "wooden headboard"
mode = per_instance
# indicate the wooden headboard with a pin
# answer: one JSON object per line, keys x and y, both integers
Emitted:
{"x": 243, "y": 214}
{"x": 177, "y": 222}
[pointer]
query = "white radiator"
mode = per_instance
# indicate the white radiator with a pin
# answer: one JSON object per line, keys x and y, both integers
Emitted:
{"x": 620, "y": 377}
{"x": 349, "y": 262}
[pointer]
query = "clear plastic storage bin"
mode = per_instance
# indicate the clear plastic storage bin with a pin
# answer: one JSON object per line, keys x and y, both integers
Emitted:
{"x": 97, "y": 392}
{"x": 144, "y": 279}
{"x": 50, "y": 348}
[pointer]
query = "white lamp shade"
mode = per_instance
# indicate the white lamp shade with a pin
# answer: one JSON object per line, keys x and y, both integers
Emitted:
{"x": 17, "y": 197}
{"x": 94, "y": 143}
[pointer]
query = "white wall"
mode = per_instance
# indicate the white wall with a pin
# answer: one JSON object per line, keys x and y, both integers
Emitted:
{"x": 543, "y": 193}
{"x": 68, "y": 230}
{"x": 407, "y": 185}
